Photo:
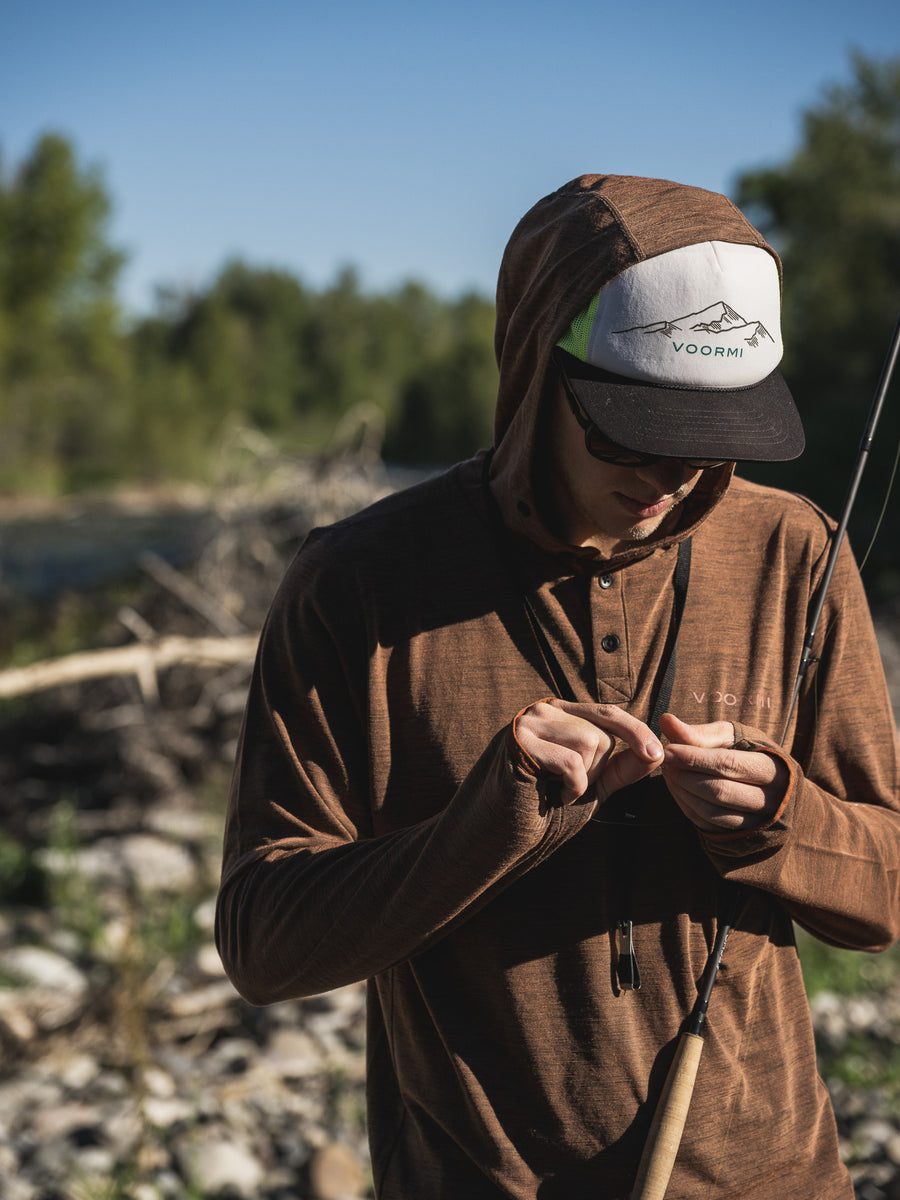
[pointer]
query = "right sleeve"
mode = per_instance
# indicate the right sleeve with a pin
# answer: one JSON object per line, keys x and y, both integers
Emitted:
{"x": 309, "y": 899}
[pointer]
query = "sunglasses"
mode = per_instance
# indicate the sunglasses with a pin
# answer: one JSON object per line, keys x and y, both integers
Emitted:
{"x": 606, "y": 451}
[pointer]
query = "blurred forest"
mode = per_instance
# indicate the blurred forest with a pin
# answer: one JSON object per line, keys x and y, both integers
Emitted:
{"x": 90, "y": 398}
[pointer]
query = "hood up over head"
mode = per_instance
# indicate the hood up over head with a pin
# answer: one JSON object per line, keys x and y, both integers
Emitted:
{"x": 561, "y": 282}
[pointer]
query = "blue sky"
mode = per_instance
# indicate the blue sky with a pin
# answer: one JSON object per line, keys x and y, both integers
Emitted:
{"x": 404, "y": 138}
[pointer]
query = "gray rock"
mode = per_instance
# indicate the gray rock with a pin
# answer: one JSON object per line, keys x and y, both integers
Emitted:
{"x": 44, "y": 968}
{"x": 54, "y": 991}
{"x": 220, "y": 1162}
{"x": 152, "y": 863}
{"x": 335, "y": 1173}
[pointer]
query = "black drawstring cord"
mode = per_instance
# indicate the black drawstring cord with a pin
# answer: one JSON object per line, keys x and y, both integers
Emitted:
{"x": 560, "y": 681}
{"x": 680, "y": 581}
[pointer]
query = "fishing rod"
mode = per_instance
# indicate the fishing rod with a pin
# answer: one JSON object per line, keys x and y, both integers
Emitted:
{"x": 667, "y": 1127}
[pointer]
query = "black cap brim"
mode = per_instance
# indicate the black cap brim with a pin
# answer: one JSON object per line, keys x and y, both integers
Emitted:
{"x": 759, "y": 423}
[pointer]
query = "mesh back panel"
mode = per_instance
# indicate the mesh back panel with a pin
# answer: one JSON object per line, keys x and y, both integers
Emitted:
{"x": 575, "y": 339}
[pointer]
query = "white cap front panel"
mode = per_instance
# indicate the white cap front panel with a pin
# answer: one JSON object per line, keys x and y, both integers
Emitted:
{"x": 701, "y": 316}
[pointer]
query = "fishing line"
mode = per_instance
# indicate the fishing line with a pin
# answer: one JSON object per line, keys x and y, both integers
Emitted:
{"x": 881, "y": 515}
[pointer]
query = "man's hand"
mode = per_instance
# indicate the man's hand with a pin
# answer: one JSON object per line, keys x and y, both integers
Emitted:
{"x": 718, "y": 788}
{"x": 577, "y": 744}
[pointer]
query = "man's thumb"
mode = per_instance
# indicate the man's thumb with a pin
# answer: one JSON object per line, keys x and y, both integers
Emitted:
{"x": 719, "y": 733}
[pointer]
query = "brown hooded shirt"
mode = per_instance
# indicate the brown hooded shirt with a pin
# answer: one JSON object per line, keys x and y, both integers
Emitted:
{"x": 385, "y": 825}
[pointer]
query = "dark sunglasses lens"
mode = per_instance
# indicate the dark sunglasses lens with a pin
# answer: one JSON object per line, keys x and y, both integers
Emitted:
{"x": 609, "y": 452}
{"x": 618, "y": 456}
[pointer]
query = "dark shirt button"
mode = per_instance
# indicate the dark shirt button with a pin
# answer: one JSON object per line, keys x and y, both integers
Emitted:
{"x": 605, "y": 581}
{"x": 610, "y": 643}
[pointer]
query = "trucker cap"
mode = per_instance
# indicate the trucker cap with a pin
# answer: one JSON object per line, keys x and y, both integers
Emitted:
{"x": 678, "y": 355}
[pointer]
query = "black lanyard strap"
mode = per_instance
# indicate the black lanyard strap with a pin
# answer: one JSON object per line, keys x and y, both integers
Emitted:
{"x": 680, "y": 581}
{"x": 560, "y": 681}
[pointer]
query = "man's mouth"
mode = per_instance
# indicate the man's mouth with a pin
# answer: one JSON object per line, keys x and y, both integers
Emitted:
{"x": 641, "y": 509}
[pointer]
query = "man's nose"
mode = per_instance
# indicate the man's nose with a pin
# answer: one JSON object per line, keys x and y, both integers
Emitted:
{"x": 667, "y": 475}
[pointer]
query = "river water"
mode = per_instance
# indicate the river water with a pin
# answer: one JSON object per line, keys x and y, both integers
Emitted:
{"x": 87, "y": 544}
{"x": 41, "y": 556}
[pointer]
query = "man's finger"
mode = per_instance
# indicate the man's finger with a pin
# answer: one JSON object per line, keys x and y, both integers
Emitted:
{"x": 620, "y": 770}
{"x": 574, "y": 741}
{"x": 619, "y": 723}
{"x": 710, "y": 817}
{"x": 738, "y": 766}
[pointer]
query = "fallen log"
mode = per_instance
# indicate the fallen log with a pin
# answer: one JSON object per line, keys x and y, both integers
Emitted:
{"x": 142, "y": 659}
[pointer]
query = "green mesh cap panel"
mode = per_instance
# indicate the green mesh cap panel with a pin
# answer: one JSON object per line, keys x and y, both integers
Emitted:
{"x": 575, "y": 339}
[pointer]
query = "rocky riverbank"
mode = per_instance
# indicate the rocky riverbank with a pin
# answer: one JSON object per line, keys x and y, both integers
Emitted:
{"x": 130, "y": 1068}
{"x": 125, "y": 1078}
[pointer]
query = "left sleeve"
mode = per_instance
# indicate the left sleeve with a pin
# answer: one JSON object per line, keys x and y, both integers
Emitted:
{"x": 831, "y": 855}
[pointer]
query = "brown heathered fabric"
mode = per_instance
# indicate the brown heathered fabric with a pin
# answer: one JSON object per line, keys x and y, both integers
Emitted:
{"x": 384, "y": 825}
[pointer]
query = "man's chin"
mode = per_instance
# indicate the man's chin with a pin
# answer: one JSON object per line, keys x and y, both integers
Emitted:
{"x": 640, "y": 533}
{"x": 642, "y": 530}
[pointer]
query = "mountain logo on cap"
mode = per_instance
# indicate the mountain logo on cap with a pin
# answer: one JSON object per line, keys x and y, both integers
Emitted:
{"x": 718, "y": 318}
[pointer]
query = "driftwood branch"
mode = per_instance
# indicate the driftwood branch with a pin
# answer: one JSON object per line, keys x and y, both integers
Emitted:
{"x": 191, "y": 595}
{"x": 142, "y": 660}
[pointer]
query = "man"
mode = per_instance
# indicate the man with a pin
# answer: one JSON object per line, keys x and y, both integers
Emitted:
{"x": 510, "y": 730}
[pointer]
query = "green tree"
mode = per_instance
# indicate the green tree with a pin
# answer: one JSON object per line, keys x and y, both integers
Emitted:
{"x": 62, "y": 358}
{"x": 833, "y": 212}
{"x": 446, "y": 401}
{"x": 205, "y": 363}
{"x": 259, "y": 349}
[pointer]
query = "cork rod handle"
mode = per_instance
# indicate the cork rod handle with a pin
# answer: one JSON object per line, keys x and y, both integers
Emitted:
{"x": 671, "y": 1113}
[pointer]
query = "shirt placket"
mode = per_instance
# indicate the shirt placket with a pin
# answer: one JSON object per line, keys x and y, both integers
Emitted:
{"x": 610, "y": 638}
